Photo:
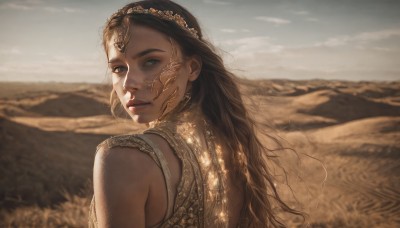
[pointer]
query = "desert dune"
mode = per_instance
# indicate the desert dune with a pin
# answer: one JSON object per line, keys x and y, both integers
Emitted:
{"x": 347, "y": 135}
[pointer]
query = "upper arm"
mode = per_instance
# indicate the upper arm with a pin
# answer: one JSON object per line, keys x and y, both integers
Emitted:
{"x": 121, "y": 179}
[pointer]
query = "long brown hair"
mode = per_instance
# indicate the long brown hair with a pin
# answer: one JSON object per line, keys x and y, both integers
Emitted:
{"x": 218, "y": 95}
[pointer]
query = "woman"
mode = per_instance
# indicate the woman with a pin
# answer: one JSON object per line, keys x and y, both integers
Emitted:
{"x": 200, "y": 163}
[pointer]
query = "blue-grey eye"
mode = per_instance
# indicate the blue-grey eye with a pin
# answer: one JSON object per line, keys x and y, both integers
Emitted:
{"x": 118, "y": 69}
{"x": 151, "y": 62}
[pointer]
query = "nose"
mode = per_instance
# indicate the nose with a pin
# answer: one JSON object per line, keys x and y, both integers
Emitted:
{"x": 133, "y": 81}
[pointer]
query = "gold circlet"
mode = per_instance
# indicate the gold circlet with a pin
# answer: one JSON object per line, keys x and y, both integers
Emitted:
{"x": 165, "y": 15}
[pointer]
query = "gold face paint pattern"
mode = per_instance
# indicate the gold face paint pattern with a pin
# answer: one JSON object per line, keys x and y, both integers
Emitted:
{"x": 164, "y": 82}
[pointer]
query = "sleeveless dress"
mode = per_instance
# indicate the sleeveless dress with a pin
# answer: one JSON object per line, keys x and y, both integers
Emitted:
{"x": 201, "y": 195}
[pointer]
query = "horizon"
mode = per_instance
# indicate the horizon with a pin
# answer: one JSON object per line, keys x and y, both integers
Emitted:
{"x": 355, "y": 40}
{"x": 239, "y": 79}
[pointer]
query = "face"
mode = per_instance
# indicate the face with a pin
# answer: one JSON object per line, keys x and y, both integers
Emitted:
{"x": 152, "y": 75}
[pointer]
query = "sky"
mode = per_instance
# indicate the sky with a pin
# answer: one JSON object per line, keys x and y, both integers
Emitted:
{"x": 60, "y": 40}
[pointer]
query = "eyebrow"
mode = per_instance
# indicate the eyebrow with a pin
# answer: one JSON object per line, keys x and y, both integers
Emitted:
{"x": 140, "y": 54}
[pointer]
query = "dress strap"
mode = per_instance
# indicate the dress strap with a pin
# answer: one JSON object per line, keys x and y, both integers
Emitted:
{"x": 165, "y": 170}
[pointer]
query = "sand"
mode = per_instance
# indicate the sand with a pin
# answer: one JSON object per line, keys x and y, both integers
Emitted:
{"x": 49, "y": 132}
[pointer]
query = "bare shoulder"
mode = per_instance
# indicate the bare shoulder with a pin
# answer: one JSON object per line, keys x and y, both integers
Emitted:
{"x": 121, "y": 178}
{"x": 125, "y": 166}
{"x": 123, "y": 159}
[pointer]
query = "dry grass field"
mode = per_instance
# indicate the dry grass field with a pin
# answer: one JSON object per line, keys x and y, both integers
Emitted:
{"x": 49, "y": 132}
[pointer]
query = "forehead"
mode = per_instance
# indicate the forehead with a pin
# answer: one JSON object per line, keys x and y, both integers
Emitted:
{"x": 141, "y": 38}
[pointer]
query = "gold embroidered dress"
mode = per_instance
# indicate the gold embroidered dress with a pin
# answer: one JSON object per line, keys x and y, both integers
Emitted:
{"x": 201, "y": 195}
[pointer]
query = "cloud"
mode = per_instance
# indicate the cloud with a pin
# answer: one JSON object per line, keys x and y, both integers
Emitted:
{"x": 361, "y": 38}
{"x": 62, "y": 10}
{"x": 250, "y": 52}
{"x": 274, "y": 20}
{"x": 72, "y": 10}
{"x": 261, "y": 57}
{"x": 312, "y": 19}
{"x": 45, "y": 67}
{"x": 228, "y": 30}
{"x": 250, "y": 45}
{"x": 37, "y": 5}
{"x": 20, "y": 4}
{"x": 304, "y": 15}
{"x": 16, "y": 6}
{"x": 302, "y": 12}
{"x": 222, "y": 3}
{"x": 378, "y": 35}
{"x": 11, "y": 51}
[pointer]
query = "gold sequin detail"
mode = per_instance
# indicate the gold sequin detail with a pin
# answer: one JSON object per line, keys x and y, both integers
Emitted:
{"x": 201, "y": 193}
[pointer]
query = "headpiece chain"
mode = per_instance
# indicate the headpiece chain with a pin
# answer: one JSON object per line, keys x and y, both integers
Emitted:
{"x": 164, "y": 15}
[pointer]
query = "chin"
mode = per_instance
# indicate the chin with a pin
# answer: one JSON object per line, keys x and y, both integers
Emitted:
{"x": 142, "y": 119}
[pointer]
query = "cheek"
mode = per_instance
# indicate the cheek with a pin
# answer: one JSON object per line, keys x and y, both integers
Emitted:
{"x": 118, "y": 86}
{"x": 174, "y": 89}
{"x": 166, "y": 80}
